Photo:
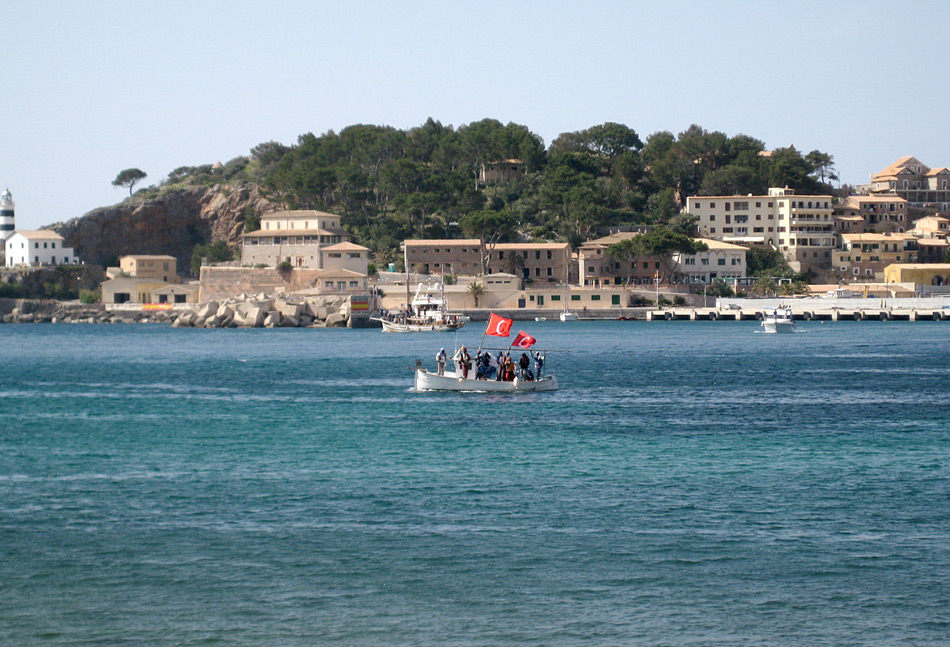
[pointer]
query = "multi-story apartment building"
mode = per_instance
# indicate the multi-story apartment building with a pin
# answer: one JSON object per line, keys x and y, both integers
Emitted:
{"x": 866, "y": 255}
{"x": 800, "y": 226}
{"x": 859, "y": 214}
{"x": 538, "y": 262}
{"x": 598, "y": 269}
{"x": 916, "y": 182}
{"x": 295, "y": 237}
{"x": 448, "y": 256}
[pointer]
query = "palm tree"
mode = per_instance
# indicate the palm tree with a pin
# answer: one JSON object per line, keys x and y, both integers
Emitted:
{"x": 477, "y": 290}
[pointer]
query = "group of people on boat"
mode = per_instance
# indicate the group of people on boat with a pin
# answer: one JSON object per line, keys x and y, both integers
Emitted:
{"x": 501, "y": 368}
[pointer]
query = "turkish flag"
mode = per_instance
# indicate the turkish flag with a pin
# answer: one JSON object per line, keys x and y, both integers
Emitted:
{"x": 499, "y": 326}
{"x": 523, "y": 340}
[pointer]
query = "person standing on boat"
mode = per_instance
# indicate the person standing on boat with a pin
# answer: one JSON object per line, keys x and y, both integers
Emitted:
{"x": 524, "y": 364}
{"x": 440, "y": 358}
{"x": 538, "y": 364}
{"x": 464, "y": 359}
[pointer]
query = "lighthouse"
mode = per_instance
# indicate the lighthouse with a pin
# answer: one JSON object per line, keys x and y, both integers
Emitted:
{"x": 7, "y": 224}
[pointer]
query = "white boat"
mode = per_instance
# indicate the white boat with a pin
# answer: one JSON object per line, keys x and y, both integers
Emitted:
{"x": 568, "y": 315}
{"x": 453, "y": 381}
{"x": 778, "y": 320}
{"x": 428, "y": 313}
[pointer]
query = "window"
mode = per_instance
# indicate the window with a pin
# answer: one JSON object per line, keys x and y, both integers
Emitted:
{"x": 712, "y": 205}
{"x": 742, "y": 206}
{"x": 575, "y": 297}
{"x": 595, "y": 297}
{"x": 549, "y": 254}
{"x": 704, "y": 261}
{"x": 53, "y": 245}
{"x": 555, "y": 297}
{"x": 549, "y": 272}
{"x": 720, "y": 261}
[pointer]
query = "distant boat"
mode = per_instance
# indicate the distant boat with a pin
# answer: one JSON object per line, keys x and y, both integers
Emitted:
{"x": 778, "y": 319}
{"x": 540, "y": 318}
{"x": 428, "y": 313}
{"x": 568, "y": 315}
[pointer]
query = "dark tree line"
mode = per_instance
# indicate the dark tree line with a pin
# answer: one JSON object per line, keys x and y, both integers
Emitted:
{"x": 391, "y": 184}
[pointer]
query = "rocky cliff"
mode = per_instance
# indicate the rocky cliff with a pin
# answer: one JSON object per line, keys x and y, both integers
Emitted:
{"x": 171, "y": 223}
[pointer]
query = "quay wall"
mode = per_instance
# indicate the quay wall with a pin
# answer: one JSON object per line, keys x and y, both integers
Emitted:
{"x": 802, "y": 304}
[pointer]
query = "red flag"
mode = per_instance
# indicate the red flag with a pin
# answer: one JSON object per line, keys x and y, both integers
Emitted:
{"x": 523, "y": 340}
{"x": 499, "y": 326}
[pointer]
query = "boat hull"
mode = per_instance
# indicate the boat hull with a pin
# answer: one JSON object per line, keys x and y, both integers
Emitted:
{"x": 391, "y": 326}
{"x": 426, "y": 381}
{"x": 778, "y": 326}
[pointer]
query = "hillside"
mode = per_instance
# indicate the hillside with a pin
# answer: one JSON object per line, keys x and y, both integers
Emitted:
{"x": 171, "y": 222}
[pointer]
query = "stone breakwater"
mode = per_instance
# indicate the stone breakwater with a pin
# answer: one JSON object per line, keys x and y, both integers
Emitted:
{"x": 34, "y": 311}
{"x": 264, "y": 311}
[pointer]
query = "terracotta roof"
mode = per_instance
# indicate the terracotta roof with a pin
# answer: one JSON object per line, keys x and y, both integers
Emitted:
{"x": 615, "y": 237}
{"x": 260, "y": 233}
{"x": 876, "y": 237}
{"x": 344, "y": 247}
{"x": 299, "y": 213}
{"x": 343, "y": 274}
{"x": 443, "y": 241}
{"x": 938, "y": 171}
{"x": 505, "y": 246}
{"x": 718, "y": 244}
{"x": 934, "y": 242}
{"x": 149, "y": 257}
{"x": 41, "y": 234}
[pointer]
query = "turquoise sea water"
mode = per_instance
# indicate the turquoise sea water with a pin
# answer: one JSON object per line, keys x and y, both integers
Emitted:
{"x": 691, "y": 484}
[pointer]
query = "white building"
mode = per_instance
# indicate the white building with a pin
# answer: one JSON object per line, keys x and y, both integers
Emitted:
{"x": 35, "y": 248}
{"x": 800, "y": 226}
{"x": 720, "y": 261}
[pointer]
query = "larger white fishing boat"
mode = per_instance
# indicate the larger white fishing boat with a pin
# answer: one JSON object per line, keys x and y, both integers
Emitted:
{"x": 427, "y": 313}
{"x": 778, "y": 319}
{"x": 455, "y": 380}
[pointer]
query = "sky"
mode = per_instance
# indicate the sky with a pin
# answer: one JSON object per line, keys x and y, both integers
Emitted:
{"x": 92, "y": 88}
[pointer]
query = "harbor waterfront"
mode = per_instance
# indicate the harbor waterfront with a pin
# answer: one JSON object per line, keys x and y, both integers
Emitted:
{"x": 691, "y": 483}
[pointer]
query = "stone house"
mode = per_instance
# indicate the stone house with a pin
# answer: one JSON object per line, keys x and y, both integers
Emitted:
{"x": 296, "y": 237}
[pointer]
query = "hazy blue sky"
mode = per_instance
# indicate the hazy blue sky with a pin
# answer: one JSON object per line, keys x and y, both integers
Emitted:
{"x": 91, "y": 88}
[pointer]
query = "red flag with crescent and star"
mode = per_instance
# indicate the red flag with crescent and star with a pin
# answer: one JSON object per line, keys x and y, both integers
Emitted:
{"x": 523, "y": 340}
{"x": 499, "y": 326}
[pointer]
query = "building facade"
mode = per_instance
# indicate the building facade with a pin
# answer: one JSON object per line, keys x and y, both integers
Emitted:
{"x": 800, "y": 226}
{"x": 859, "y": 214}
{"x": 533, "y": 262}
{"x": 719, "y": 261}
{"x": 915, "y": 182}
{"x": 159, "y": 268}
{"x": 596, "y": 268}
{"x": 866, "y": 255}
{"x": 295, "y": 237}
{"x": 445, "y": 256}
{"x": 346, "y": 256}
{"x": 37, "y": 248}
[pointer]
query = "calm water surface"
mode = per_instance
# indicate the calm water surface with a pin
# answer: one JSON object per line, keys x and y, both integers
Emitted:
{"x": 691, "y": 484}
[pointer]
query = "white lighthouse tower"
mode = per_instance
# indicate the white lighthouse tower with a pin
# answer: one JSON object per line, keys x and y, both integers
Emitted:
{"x": 7, "y": 224}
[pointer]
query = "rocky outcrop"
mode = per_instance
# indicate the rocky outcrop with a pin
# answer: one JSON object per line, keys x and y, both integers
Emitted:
{"x": 268, "y": 311}
{"x": 171, "y": 223}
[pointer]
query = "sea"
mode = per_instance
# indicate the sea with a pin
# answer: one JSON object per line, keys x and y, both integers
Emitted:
{"x": 691, "y": 483}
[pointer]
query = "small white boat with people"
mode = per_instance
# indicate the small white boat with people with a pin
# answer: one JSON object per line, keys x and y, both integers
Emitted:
{"x": 494, "y": 370}
{"x": 427, "y": 312}
{"x": 778, "y": 319}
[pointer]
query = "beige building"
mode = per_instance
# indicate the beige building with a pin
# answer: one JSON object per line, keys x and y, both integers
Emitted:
{"x": 866, "y": 255}
{"x": 596, "y": 268}
{"x": 534, "y": 262}
{"x": 449, "y": 256}
{"x": 916, "y": 182}
{"x": 918, "y": 274}
{"x": 339, "y": 281}
{"x": 930, "y": 227}
{"x": 720, "y": 261}
{"x": 346, "y": 256}
{"x": 157, "y": 268}
{"x": 129, "y": 289}
{"x": 859, "y": 214}
{"x": 295, "y": 237}
{"x": 800, "y": 226}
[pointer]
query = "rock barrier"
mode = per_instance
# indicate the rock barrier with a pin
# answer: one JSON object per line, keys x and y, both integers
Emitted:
{"x": 267, "y": 311}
